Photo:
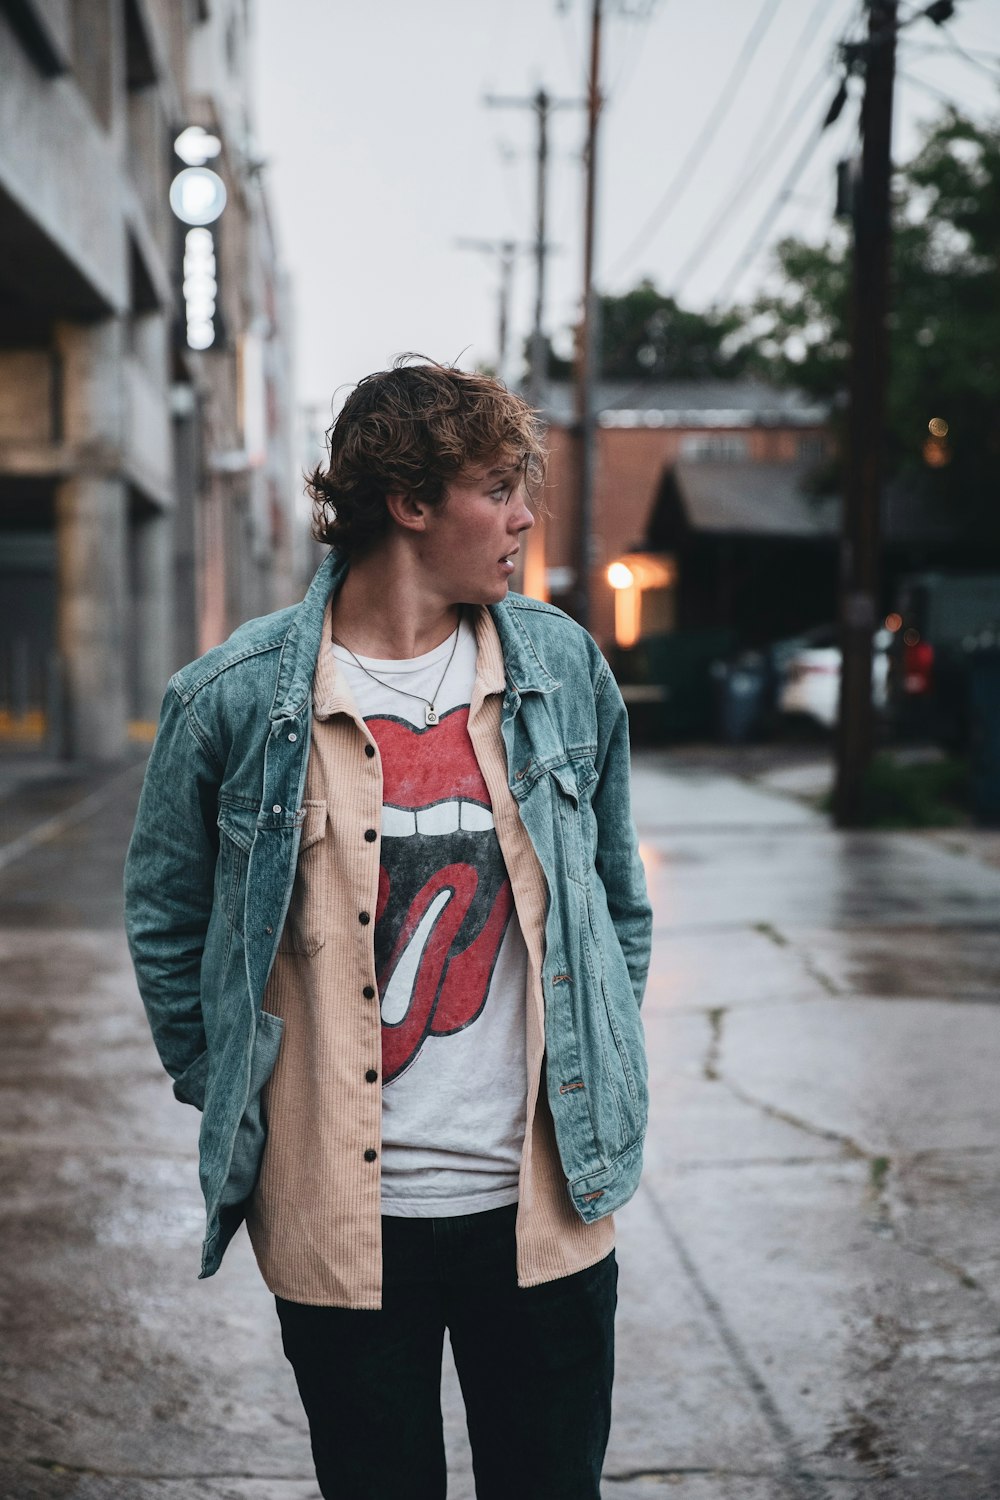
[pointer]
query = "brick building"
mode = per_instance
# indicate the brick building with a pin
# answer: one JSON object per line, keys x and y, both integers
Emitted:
{"x": 645, "y": 433}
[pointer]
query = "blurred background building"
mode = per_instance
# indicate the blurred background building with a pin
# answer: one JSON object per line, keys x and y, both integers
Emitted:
{"x": 147, "y": 473}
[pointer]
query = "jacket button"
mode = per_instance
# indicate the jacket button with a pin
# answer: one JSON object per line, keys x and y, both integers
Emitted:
{"x": 293, "y": 738}
{"x": 369, "y": 992}
{"x": 364, "y": 918}
{"x": 370, "y": 1155}
{"x": 276, "y": 808}
{"x": 370, "y": 835}
{"x": 371, "y": 1076}
{"x": 369, "y": 751}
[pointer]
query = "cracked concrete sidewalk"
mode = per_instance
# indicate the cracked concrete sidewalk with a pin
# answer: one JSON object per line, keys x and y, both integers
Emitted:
{"x": 809, "y": 1279}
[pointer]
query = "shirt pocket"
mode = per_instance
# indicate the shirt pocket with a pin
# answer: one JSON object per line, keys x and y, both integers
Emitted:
{"x": 305, "y": 926}
{"x": 569, "y": 788}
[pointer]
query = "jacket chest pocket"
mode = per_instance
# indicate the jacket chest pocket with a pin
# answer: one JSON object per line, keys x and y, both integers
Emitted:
{"x": 308, "y": 916}
{"x": 237, "y": 826}
{"x": 571, "y": 817}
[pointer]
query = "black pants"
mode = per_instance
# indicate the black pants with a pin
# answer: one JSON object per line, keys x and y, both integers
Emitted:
{"x": 535, "y": 1365}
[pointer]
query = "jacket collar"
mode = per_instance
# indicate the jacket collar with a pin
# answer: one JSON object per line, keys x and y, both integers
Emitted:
{"x": 303, "y": 641}
{"x": 526, "y": 672}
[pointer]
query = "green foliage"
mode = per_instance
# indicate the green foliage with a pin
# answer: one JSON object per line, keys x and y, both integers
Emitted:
{"x": 944, "y": 323}
{"x": 924, "y": 794}
{"x": 647, "y": 336}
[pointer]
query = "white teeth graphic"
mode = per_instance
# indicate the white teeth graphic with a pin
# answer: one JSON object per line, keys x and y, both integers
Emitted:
{"x": 399, "y": 990}
{"x": 440, "y": 817}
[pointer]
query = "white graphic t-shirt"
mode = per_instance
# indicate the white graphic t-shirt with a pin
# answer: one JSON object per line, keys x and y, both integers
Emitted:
{"x": 450, "y": 958}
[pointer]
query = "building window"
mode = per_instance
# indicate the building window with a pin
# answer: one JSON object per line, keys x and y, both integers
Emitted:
{"x": 705, "y": 448}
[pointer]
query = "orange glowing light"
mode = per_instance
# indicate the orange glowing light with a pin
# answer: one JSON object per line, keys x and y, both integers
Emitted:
{"x": 620, "y": 576}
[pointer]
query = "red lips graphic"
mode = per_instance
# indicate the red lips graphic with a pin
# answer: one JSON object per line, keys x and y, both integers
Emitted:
{"x": 444, "y": 898}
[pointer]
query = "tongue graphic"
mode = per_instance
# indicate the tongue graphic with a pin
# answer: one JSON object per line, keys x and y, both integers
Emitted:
{"x": 444, "y": 899}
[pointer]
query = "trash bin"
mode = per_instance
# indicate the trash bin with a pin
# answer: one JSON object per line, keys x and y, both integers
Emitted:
{"x": 740, "y": 697}
{"x": 984, "y": 734}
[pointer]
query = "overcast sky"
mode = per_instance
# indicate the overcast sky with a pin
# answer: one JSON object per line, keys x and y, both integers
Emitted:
{"x": 382, "y": 154}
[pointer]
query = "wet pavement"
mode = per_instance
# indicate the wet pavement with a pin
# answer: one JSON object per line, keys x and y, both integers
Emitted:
{"x": 810, "y": 1272}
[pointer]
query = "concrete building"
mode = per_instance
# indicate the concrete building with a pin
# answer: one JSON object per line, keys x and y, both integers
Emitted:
{"x": 146, "y": 469}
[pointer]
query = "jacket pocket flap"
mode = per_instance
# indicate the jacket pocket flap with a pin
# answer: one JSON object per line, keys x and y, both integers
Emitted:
{"x": 238, "y": 824}
{"x": 565, "y": 779}
{"x": 313, "y": 824}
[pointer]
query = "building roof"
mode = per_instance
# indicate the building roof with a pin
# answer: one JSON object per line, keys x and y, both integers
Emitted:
{"x": 752, "y": 499}
{"x": 687, "y": 403}
{"x": 763, "y": 499}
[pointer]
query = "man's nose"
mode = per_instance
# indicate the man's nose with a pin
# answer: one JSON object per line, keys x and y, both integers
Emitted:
{"x": 524, "y": 520}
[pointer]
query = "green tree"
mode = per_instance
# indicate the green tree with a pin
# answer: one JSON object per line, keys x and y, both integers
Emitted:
{"x": 944, "y": 323}
{"x": 645, "y": 336}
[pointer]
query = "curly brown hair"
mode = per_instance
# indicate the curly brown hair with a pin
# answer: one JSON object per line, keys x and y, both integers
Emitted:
{"x": 414, "y": 429}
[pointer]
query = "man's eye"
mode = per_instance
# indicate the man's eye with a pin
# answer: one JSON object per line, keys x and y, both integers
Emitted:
{"x": 503, "y": 493}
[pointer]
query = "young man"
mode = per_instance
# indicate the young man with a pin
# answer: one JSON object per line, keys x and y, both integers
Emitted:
{"x": 390, "y": 927}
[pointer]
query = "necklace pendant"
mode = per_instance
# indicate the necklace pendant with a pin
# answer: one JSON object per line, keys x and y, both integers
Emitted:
{"x": 430, "y": 717}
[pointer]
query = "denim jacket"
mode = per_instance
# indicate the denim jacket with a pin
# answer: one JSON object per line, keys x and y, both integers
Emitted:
{"x": 234, "y": 732}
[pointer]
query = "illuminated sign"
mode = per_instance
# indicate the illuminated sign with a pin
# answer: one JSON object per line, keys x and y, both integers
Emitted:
{"x": 200, "y": 288}
{"x": 197, "y": 198}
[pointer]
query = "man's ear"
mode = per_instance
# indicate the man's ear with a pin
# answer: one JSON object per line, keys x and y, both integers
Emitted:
{"x": 407, "y": 510}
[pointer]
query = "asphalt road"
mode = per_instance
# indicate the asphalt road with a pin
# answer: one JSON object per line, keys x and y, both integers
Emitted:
{"x": 809, "y": 1273}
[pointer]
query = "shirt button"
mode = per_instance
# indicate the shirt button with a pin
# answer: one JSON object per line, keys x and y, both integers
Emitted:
{"x": 370, "y": 835}
{"x": 370, "y": 1155}
{"x": 276, "y": 807}
{"x": 369, "y": 751}
{"x": 369, "y": 992}
{"x": 364, "y": 918}
{"x": 371, "y": 1075}
{"x": 293, "y": 738}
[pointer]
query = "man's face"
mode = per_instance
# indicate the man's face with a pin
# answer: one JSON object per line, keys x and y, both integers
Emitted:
{"x": 473, "y": 534}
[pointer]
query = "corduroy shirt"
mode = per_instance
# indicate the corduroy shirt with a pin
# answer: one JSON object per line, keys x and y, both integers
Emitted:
{"x": 314, "y": 1219}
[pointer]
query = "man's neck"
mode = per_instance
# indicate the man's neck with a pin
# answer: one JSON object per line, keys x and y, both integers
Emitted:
{"x": 383, "y": 611}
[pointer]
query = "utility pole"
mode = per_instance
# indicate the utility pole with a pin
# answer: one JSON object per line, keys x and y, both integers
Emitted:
{"x": 587, "y": 346}
{"x": 859, "y": 581}
{"x": 543, "y": 105}
{"x": 506, "y": 250}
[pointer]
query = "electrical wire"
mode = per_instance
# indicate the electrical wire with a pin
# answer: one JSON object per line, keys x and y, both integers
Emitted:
{"x": 774, "y": 208}
{"x": 760, "y": 154}
{"x": 954, "y": 45}
{"x": 929, "y": 88}
{"x": 705, "y": 136}
{"x": 630, "y": 56}
{"x": 784, "y": 193}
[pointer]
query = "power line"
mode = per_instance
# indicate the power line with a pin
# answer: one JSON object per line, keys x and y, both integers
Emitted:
{"x": 705, "y": 136}
{"x": 790, "y": 181}
{"x": 757, "y": 160}
{"x": 774, "y": 208}
{"x": 953, "y": 45}
{"x": 929, "y": 88}
{"x": 630, "y": 57}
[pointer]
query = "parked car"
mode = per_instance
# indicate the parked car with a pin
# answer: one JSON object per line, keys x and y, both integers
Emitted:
{"x": 809, "y": 674}
{"x": 943, "y": 620}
